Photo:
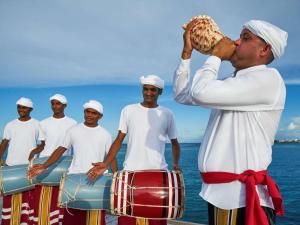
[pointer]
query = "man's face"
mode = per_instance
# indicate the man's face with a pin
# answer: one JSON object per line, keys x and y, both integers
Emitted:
{"x": 151, "y": 93}
{"x": 247, "y": 51}
{"x": 23, "y": 111}
{"x": 57, "y": 107}
{"x": 91, "y": 116}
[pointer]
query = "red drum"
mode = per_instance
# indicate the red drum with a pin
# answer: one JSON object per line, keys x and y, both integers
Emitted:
{"x": 152, "y": 194}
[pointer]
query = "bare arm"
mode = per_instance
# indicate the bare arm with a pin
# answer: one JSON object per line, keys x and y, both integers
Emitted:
{"x": 114, "y": 165}
{"x": 40, "y": 168}
{"x": 3, "y": 147}
{"x": 114, "y": 149}
{"x": 176, "y": 153}
{"x": 36, "y": 150}
{"x": 100, "y": 167}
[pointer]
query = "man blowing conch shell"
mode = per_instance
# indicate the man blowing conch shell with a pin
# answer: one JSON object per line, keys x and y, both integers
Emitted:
{"x": 236, "y": 149}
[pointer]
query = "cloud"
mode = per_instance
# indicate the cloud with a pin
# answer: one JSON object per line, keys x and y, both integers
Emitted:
{"x": 293, "y": 126}
{"x": 290, "y": 73}
{"x": 64, "y": 42}
{"x": 291, "y": 131}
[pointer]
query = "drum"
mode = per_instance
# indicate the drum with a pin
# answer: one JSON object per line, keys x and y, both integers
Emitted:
{"x": 152, "y": 194}
{"x": 54, "y": 172}
{"x": 13, "y": 179}
{"x": 77, "y": 192}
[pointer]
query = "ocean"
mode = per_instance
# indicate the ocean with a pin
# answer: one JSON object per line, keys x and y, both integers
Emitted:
{"x": 285, "y": 170}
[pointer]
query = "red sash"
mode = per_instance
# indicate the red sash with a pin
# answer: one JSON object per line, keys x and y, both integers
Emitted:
{"x": 255, "y": 215}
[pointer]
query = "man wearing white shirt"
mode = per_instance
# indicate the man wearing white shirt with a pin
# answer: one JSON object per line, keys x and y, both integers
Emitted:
{"x": 90, "y": 143}
{"x": 54, "y": 127}
{"x": 148, "y": 126}
{"x": 236, "y": 149}
{"x": 21, "y": 136}
{"x": 54, "y": 130}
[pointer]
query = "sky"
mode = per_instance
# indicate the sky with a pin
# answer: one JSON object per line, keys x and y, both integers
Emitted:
{"x": 83, "y": 47}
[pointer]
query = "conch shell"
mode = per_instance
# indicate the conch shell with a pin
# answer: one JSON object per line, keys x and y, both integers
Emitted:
{"x": 205, "y": 34}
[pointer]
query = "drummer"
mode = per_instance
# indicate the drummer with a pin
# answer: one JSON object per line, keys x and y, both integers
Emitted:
{"x": 21, "y": 136}
{"x": 148, "y": 125}
{"x": 54, "y": 129}
{"x": 90, "y": 143}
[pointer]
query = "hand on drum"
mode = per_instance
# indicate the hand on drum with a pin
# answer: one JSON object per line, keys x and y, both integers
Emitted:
{"x": 36, "y": 170}
{"x": 97, "y": 170}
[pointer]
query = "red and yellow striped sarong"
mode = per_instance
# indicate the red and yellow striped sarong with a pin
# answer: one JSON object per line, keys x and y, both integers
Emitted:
{"x": 45, "y": 207}
{"x": 126, "y": 220}
{"x": 83, "y": 217}
{"x": 16, "y": 209}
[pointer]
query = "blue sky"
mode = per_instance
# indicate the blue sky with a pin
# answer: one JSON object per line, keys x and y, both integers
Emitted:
{"x": 48, "y": 45}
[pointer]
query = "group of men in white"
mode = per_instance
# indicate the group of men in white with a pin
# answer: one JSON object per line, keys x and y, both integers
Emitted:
{"x": 147, "y": 123}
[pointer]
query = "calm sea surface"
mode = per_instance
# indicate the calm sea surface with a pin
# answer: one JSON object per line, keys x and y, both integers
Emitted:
{"x": 285, "y": 170}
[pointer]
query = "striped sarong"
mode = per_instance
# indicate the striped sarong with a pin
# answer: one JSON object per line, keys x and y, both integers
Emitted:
{"x": 217, "y": 216}
{"x": 16, "y": 209}
{"x": 126, "y": 220}
{"x": 45, "y": 207}
{"x": 83, "y": 217}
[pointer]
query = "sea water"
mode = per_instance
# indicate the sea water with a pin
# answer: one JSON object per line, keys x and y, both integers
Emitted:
{"x": 285, "y": 170}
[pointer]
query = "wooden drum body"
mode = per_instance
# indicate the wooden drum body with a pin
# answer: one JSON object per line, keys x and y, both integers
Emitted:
{"x": 152, "y": 194}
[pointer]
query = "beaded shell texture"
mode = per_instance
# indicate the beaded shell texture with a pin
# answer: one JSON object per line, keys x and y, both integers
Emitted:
{"x": 205, "y": 34}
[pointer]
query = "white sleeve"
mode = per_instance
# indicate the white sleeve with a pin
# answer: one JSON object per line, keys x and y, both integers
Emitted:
{"x": 7, "y": 132}
{"x": 181, "y": 82}
{"x": 67, "y": 142}
{"x": 248, "y": 92}
{"x": 108, "y": 143}
{"x": 42, "y": 136}
{"x": 172, "y": 131}
{"x": 123, "y": 121}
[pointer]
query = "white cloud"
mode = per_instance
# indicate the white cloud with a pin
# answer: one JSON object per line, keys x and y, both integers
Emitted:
{"x": 292, "y": 130}
{"x": 68, "y": 42}
{"x": 292, "y": 126}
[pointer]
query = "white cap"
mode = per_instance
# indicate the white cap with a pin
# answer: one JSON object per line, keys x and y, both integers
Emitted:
{"x": 59, "y": 98}
{"x": 152, "y": 80}
{"x": 25, "y": 102}
{"x": 272, "y": 34}
{"x": 93, "y": 104}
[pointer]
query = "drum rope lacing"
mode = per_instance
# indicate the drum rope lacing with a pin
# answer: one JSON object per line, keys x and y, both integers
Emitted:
{"x": 72, "y": 197}
{"x": 131, "y": 188}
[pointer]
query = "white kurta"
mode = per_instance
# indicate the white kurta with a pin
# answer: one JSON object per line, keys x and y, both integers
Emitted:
{"x": 148, "y": 130}
{"x": 245, "y": 114}
{"x": 23, "y": 137}
{"x": 90, "y": 145}
{"x": 54, "y": 131}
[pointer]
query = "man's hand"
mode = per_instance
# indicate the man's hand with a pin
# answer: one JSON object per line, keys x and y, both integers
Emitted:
{"x": 224, "y": 49}
{"x": 188, "y": 46}
{"x": 36, "y": 170}
{"x": 96, "y": 171}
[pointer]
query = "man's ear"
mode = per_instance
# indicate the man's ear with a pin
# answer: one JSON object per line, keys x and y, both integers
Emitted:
{"x": 266, "y": 50}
